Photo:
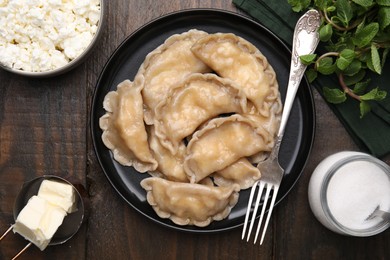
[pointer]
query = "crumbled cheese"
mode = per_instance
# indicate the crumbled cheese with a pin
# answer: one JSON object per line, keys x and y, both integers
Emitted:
{"x": 42, "y": 35}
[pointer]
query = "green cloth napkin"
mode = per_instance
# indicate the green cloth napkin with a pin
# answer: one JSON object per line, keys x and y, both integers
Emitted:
{"x": 372, "y": 132}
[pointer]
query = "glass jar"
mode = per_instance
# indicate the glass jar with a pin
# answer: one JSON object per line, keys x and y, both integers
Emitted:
{"x": 346, "y": 188}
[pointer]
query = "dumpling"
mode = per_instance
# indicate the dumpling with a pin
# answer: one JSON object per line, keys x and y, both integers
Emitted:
{"x": 189, "y": 203}
{"x": 195, "y": 100}
{"x": 169, "y": 166}
{"x": 123, "y": 128}
{"x": 270, "y": 124}
{"x": 165, "y": 66}
{"x": 222, "y": 142}
{"x": 233, "y": 57}
{"x": 242, "y": 172}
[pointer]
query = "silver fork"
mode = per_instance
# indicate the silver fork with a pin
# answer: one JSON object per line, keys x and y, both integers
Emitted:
{"x": 305, "y": 41}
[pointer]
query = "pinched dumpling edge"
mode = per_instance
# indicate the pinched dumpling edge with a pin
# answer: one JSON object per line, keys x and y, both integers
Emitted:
{"x": 113, "y": 140}
{"x": 245, "y": 45}
{"x": 170, "y": 166}
{"x": 236, "y": 172}
{"x": 225, "y": 85}
{"x": 139, "y": 79}
{"x": 228, "y": 199}
{"x": 190, "y": 166}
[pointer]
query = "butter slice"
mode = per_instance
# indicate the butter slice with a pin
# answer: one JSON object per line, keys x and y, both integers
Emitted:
{"x": 38, "y": 221}
{"x": 59, "y": 194}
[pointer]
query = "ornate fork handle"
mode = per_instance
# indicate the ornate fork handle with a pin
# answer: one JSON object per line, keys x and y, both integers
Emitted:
{"x": 305, "y": 41}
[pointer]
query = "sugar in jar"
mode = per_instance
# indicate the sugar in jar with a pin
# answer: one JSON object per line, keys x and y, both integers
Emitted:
{"x": 346, "y": 188}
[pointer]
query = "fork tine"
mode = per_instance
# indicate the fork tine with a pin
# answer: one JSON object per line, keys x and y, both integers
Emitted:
{"x": 262, "y": 211}
{"x": 249, "y": 208}
{"x": 261, "y": 187}
{"x": 271, "y": 207}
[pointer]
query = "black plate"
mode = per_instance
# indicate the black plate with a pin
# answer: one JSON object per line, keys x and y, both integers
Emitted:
{"x": 124, "y": 63}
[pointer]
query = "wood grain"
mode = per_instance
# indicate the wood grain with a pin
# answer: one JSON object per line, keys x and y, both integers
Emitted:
{"x": 45, "y": 129}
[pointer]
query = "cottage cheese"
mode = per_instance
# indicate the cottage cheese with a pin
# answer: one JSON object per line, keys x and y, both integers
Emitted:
{"x": 42, "y": 35}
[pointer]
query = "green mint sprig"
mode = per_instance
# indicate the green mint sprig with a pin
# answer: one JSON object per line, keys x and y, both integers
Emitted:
{"x": 356, "y": 34}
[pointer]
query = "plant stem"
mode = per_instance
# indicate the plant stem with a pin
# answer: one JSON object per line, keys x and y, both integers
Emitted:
{"x": 331, "y": 53}
{"x": 328, "y": 54}
{"x": 338, "y": 27}
{"x": 332, "y": 23}
{"x": 346, "y": 89}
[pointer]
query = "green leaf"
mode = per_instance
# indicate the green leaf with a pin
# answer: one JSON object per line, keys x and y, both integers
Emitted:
{"x": 365, "y": 56}
{"x": 352, "y": 80}
{"x": 365, "y": 108}
{"x": 383, "y": 2}
{"x": 384, "y": 56}
{"x": 353, "y": 68}
{"x": 345, "y": 59}
{"x": 384, "y": 17}
{"x": 334, "y": 95}
{"x": 326, "y": 32}
{"x": 344, "y": 11}
{"x": 308, "y": 58}
{"x": 369, "y": 63}
{"x": 311, "y": 75}
{"x": 360, "y": 11}
{"x": 360, "y": 26}
{"x": 364, "y": 3}
{"x": 374, "y": 94}
{"x": 383, "y": 38}
{"x": 299, "y": 5}
{"x": 360, "y": 87}
{"x": 375, "y": 59}
{"x": 365, "y": 35}
{"x": 325, "y": 66}
{"x": 361, "y": 44}
{"x": 322, "y": 4}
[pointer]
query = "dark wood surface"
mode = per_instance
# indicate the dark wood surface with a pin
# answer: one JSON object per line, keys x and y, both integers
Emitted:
{"x": 44, "y": 129}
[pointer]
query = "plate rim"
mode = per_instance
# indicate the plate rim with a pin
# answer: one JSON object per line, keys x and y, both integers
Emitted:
{"x": 206, "y": 11}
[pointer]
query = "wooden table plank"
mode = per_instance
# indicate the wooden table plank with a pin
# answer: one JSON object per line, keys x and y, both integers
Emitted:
{"x": 43, "y": 132}
{"x": 45, "y": 129}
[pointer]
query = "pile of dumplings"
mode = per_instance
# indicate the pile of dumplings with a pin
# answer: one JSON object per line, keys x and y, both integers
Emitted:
{"x": 202, "y": 110}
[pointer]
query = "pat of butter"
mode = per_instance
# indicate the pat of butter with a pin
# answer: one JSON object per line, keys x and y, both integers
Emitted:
{"x": 59, "y": 194}
{"x": 38, "y": 221}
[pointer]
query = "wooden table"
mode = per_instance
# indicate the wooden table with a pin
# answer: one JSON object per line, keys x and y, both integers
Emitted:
{"x": 44, "y": 129}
